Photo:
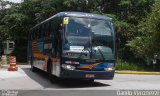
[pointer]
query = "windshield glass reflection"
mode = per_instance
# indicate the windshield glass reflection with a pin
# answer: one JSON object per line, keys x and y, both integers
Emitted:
{"x": 89, "y": 38}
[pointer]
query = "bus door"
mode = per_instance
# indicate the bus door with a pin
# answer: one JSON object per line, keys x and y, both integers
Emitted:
{"x": 56, "y": 61}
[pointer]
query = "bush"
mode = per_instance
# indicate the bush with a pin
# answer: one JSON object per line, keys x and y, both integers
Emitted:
{"x": 147, "y": 44}
{"x": 121, "y": 65}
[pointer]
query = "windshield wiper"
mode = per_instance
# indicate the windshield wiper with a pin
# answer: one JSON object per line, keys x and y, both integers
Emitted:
{"x": 103, "y": 58}
{"x": 101, "y": 53}
{"x": 83, "y": 52}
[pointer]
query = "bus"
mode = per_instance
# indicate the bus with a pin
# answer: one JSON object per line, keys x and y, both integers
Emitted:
{"x": 74, "y": 45}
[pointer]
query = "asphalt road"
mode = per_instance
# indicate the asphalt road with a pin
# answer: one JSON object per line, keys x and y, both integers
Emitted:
{"x": 24, "y": 79}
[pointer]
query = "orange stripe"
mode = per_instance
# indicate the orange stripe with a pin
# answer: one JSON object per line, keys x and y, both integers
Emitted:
{"x": 35, "y": 48}
{"x": 90, "y": 66}
{"x": 55, "y": 59}
{"x": 39, "y": 56}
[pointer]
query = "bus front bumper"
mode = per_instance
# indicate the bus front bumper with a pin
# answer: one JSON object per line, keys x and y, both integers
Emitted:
{"x": 81, "y": 74}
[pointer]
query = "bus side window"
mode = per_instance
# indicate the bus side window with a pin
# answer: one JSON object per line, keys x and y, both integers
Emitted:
{"x": 52, "y": 28}
{"x": 33, "y": 35}
{"x": 52, "y": 36}
{"x": 30, "y": 35}
{"x": 38, "y": 33}
{"x": 58, "y": 38}
{"x": 48, "y": 29}
{"x": 42, "y": 31}
{"x": 45, "y": 32}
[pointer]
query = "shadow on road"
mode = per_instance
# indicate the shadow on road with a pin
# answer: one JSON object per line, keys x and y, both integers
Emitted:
{"x": 42, "y": 78}
{"x": 71, "y": 83}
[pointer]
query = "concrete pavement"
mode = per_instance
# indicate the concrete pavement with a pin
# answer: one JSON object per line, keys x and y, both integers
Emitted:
{"x": 24, "y": 79}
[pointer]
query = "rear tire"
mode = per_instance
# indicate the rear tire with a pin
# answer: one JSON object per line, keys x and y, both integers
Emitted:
{"x": 33, "y": 69}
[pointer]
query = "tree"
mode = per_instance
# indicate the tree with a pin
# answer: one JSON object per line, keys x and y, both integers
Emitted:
{"x": 16, "y": 20}
{"x": 15, "y": 24}
{"x": 147, "y": 44}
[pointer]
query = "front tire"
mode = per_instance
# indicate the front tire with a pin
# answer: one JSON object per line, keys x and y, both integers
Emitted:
{"x": 33, "y": 69}
{"x": 90, "y": 81}
{"x": 53, "y": 79}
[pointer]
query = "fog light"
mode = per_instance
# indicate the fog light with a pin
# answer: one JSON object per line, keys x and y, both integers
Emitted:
{"x": 68, "y": 67}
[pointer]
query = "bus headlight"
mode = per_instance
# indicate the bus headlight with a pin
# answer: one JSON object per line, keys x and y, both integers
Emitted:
{"x": 109, "y": 69}
{"x": 68, "y": 67}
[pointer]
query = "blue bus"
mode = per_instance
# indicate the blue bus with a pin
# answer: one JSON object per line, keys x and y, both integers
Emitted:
{"x": 73, "y": 45}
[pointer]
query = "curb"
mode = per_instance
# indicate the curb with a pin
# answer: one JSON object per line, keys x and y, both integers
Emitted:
{"x": 136, "y": 72}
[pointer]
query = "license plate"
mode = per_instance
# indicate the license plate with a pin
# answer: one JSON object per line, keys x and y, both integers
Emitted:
{"x": 90, "y": 75}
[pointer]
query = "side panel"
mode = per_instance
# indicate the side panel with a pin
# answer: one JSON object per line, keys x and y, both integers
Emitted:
{"x": 48, "y": 48}
{"x": 56, "y": 67}
{"x": 38, "y": 56}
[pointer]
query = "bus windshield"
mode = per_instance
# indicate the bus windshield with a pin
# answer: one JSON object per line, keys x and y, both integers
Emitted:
{"x": 88, "y": 39}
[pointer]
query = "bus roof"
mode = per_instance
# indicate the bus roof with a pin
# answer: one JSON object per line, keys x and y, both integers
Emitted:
{"x": 83, "y": 15}
{"x": 76, "y": 14}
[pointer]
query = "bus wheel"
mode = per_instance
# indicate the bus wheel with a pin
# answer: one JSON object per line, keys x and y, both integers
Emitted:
{"x": 52, "y": 78}
{"x": 33, "y": 69}
{"x": 90, "y": 80}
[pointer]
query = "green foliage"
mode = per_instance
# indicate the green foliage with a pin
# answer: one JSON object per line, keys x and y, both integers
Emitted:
{"x": 121, "y": 65}
{"x": 14, "y": 25}
{"x": 148, "y": 42}
{"x": 34, "y": 11}
{"x": 16, "y": 21}
{"x": 3, "y": 32}
{"x": 134, "y": 10}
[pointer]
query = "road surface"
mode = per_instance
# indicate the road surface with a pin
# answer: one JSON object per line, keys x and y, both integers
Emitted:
{"x": 24, "y": 79}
